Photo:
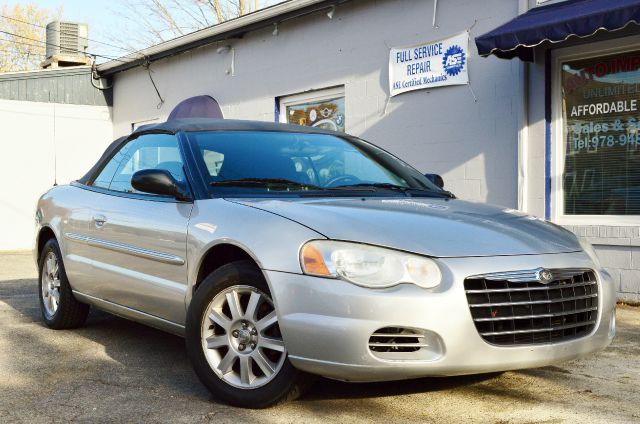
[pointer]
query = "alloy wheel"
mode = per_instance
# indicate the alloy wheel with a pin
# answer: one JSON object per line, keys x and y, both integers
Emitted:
{"x": 50, "y": 284}
{"x": 241, "y": 339}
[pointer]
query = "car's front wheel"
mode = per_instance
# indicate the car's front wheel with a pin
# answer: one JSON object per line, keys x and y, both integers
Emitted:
{"x": 234, "y": 341}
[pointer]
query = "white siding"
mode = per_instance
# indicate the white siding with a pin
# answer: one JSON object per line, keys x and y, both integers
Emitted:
{"x": 43, "y": 142}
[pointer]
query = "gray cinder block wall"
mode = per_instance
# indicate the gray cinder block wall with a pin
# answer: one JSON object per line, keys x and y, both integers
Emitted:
{"x": 618, "y": 249}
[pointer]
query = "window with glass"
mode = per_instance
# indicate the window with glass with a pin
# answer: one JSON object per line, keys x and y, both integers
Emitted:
{"x": 151, "y": 151}
{"x": 288, "y": 163}
{"x": 600, "y": 99}
{"x": 321, "y": 108}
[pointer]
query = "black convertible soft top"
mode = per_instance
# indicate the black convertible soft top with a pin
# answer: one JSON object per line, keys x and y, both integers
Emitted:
{"x": 200, "y": 124}
{"x": 208, "y": 124}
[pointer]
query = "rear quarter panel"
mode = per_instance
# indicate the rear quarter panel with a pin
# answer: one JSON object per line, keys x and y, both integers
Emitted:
{"x": 66, "y": 210}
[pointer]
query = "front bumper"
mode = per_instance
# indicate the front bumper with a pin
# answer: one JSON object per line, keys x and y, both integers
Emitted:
{"x": 326, "y": 324}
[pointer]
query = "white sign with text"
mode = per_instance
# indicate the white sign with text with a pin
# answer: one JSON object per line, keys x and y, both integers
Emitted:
{"x": 433, "y": 64}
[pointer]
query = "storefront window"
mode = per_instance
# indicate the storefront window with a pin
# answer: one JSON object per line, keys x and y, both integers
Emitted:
{"x": 323, "y": 109}
{"x": 600, "y": 99}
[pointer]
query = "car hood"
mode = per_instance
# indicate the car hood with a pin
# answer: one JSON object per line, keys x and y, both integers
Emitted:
{"x": 428, "y": 226}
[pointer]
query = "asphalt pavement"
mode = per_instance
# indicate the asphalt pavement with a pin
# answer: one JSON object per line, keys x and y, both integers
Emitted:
{"x": 113, "y": 370}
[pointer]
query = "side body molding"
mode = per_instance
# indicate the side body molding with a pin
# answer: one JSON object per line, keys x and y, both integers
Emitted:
{"x": 126, "y": 249}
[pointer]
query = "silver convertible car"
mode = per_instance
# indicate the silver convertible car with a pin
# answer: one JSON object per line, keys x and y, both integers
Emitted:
{"x": 281, "y": 251}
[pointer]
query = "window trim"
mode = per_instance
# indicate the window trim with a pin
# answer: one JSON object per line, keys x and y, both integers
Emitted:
{"x": 310, "y": 97}
{"x": 149, "y": 121}
{"x": 582, "y": 51}
{"x": 137, "y": 196}
{"x": 140, "y": 196}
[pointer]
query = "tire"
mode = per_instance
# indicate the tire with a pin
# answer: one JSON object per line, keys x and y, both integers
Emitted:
{"x": 60, "y": 309}
{"x": 222, "y": 342}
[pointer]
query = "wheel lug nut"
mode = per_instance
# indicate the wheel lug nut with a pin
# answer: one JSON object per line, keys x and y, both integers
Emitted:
{"x": 253, "y": 345}
{"x": 254, "y": 332}
{"x": 241, "y": 347}
{"x": 244, "y": 324}
{"x": 235, "y": 333}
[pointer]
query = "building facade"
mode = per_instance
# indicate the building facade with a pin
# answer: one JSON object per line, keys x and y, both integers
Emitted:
{"x": 313, "y": 59}
{"x": 579, "y": 147}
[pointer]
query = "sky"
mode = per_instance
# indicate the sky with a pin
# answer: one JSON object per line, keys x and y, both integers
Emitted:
{"x": 102, "y": 16}
{"x": 99, "y": 14}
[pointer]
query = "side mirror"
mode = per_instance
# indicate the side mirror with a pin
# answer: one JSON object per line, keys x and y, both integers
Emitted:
{"x": 436, "y": 179}
{"x": 160, "y": 182}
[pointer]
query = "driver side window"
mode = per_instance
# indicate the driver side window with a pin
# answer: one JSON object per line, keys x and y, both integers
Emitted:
{"x": 151, "y": 151}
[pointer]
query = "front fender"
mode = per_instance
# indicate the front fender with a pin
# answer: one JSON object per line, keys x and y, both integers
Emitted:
{"x": 270, "y": 239}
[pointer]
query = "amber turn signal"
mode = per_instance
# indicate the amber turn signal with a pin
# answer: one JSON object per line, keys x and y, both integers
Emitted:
{"x": 313, "y": 262}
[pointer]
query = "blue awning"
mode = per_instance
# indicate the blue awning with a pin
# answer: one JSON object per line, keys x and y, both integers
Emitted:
{"x": 557, "y": 22}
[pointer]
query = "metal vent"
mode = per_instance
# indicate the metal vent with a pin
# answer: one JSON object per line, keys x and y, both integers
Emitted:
{"x": 66, "y": 38}
{"x": 514, "y": 309}
{"x": 396, "y": 339}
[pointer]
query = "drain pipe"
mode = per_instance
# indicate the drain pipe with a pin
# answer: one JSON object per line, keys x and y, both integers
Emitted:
{"x": 435, "y": 10}
{"x": 523, "y": 126}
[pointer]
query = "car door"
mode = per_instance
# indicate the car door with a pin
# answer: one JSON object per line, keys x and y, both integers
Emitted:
{"x": 138, "y": 240}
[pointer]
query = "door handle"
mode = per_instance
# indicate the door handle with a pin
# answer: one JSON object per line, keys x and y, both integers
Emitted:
{"x": 99, "y": 220}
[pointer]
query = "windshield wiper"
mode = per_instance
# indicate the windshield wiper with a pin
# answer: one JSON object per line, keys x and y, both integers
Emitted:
{"x": 375, "y": 185}
{"x": 266, "y": 182}
{"x": 263, "y": 182}
{"x": 395, "y": 187}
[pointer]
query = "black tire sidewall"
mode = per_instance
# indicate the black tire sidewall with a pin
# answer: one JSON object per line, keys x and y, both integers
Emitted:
{"x": 236, "y": 273}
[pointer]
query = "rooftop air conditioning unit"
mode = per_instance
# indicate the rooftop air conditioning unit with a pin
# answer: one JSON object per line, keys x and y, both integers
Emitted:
{"x": 67, "y": 39}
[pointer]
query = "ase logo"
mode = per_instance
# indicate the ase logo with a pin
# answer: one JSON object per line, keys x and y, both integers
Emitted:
{"x": 453, "y": 60}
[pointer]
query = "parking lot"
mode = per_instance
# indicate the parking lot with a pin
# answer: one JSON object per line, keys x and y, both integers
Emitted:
{"x": 113, "y": 370}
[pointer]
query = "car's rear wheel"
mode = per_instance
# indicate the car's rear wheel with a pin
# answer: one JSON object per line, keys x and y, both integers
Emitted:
{"x": 234, "y": 341}
{"x": 60, "y": 309}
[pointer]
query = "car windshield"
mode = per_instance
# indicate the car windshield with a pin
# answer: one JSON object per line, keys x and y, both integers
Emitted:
{"x": 247, "y": 163}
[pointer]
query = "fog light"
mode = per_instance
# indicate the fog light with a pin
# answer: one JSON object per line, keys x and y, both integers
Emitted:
{"x": 612, "y": 324}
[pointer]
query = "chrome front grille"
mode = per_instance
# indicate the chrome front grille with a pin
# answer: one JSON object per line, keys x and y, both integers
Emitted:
{"x": 515, "y": 308}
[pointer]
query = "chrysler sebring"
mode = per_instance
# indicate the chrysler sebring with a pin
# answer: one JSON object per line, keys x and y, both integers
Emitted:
{"x": 280, "y": 252}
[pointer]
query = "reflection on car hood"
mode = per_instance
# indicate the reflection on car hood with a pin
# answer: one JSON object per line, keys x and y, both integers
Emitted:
{"x": 429, "y": 226}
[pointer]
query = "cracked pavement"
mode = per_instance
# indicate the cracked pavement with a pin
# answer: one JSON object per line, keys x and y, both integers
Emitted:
{"x": 113, "y": 370}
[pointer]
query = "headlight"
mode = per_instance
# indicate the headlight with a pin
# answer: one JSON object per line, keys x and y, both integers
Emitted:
{"x": 367, "y": 266}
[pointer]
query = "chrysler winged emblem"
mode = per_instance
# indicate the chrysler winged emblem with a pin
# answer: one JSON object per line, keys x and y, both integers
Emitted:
{"x": 544, "y": 275}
